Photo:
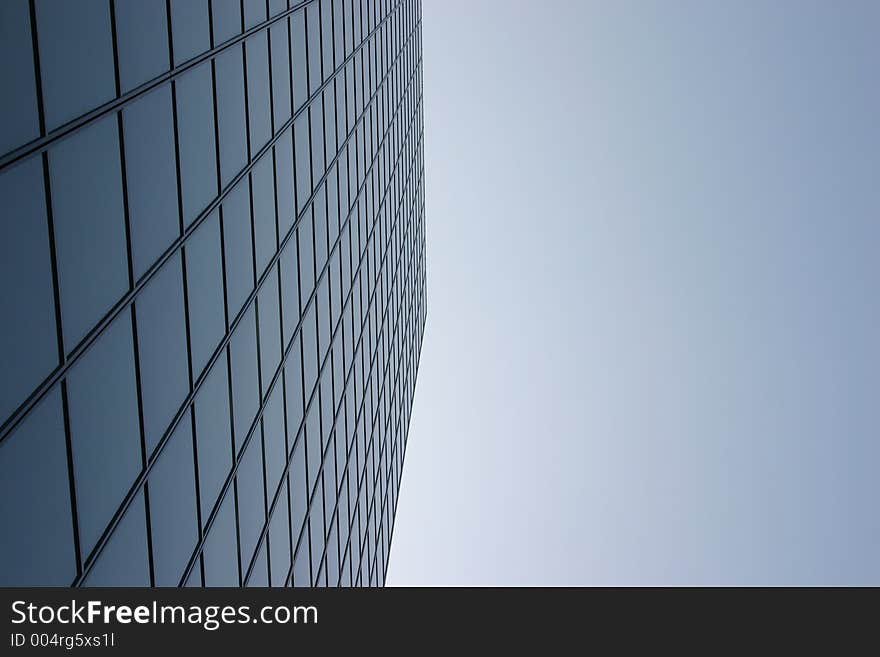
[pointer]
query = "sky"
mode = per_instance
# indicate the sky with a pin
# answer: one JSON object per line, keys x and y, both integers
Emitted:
{"x": 652, "y": 351}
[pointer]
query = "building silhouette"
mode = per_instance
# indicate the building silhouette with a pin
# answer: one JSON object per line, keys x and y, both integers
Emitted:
{"x": 213, "y": 288}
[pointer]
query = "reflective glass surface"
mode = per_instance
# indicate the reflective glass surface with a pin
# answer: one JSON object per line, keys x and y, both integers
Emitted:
{"x": 201, "y": 332}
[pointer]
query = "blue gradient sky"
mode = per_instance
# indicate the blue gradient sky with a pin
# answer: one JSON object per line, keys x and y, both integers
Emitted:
{"x": 652, "y": 353}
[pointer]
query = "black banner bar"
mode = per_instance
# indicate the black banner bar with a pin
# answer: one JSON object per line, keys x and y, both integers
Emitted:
{"x": 134, "y": 621}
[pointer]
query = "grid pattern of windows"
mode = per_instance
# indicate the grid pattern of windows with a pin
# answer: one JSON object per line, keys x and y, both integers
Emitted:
{"x": 213, "y": 283}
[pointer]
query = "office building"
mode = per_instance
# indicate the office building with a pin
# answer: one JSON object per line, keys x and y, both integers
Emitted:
{"x": 213, "y": 288}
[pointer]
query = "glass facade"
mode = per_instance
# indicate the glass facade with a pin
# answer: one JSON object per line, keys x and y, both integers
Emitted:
{"x": 213, "y": 288}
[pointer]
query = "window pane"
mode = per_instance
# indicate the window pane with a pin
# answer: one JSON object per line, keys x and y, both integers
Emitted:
{"x": 298, "y": 52}
{"x": 345, "y": 260}
{"x": 29, "y": 345}
{"x": 89, "y": 226}
{"x": 280, "y": 73}
{"x": 251, "y": 509}
{"x": 349, "y": 27}
{"x": 284, "y": 183}
{"x": 270, "y": 329}
{"x": 306, "y": 259}
{"x": 329, "y": 478}
{"x": 204, "y": 272}
{"x": 338, "y": 44}
{"x": 260, "y": 118}
{"x": 344, "y": 203}
{"x": 20, "y": 120}
{"x": 293, "y": 384}
{"x": 195, "y": 123}
{"x": 148, "y": 127}
{"x": 313, "y": 444}
{"x": 316, "y": 112}
{"x": 350, "y": 95}
{"x": 76, "y": 58}
{"x": 313, "y": 23}
{"x": 213, "y": 434}
{"x": 237, "y": 241}
{"x": 35, "y": 501}
{"x": 162, "y": 343}
{"x": 263, "y": 183}
{"x": 330, "y": 123}
{"x": 221, "y": 550}
{"x": 332, "y": 557}
{"x": 142, "y": 41}
{"x": 245, "y": 381}
{"x": 173, "y": 519}
{"x": 338, "y": 374}
{"x": 322, "y": 309}
{"x": 276, "y": 7}
{"x": 227, "y": 19}
{"x": 289, "y": 289}
{"x": 327, "y": 36}
{"x": 356, "y": 11}
{"x": 319, "y": 209}
{"x": 189, "y": 23}
{"x": 104, "y": 428}
{"x": 231, "y": 119}
{"x": 310, "y": 351}
{"x": 342, "y": 516}
{"x": 254, "y": 12}
{"x": 124, "y": 561}
{"x": 273, "y": 437}
{"x": 279, "y": 541}
{"x": 303, "y": 160}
